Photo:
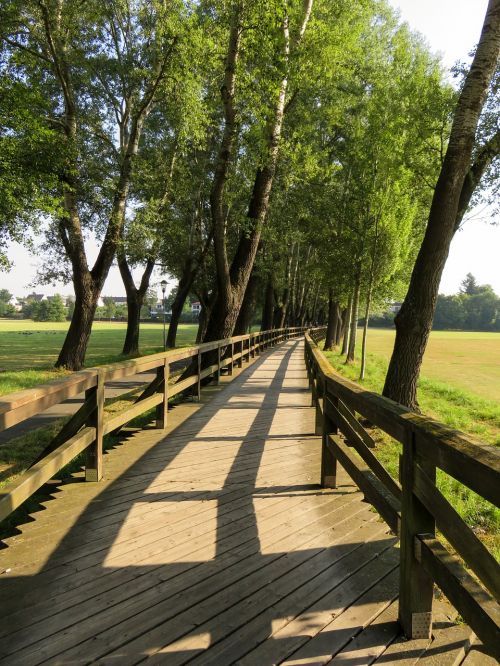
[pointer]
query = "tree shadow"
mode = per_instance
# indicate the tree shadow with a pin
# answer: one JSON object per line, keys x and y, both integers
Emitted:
{"x": 187, "y": 556}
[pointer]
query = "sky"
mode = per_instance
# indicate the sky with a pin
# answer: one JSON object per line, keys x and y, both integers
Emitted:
{"x": 451, "y": 28}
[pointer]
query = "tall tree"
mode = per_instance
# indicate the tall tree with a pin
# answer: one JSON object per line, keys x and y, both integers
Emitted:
{"x": 101, "y": 66}
{"x": 414, "y": 320}
{"x": 282, "y": 42}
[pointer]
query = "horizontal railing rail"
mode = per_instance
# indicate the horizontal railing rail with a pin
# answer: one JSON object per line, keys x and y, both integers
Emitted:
{"x": 414, "y": 507}
{"x": 85, "y": 429}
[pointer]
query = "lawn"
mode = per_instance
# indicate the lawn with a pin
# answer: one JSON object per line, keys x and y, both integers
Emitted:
{"x": 465, "y": 360}
{"x": 460, "y": 381}
{"x": 28, "y": 349}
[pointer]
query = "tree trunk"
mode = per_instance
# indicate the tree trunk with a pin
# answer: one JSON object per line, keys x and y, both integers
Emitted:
{"x": 134, "y": 305}
{"x": 340, "y": 326}
{"x": 232, "y": 281}
{"x": 332, "y": 322}
{"x": 207, "y": 300}
{"x": 245, "y": 316}
{"x": 183, "y": 289}
{"x": 414, "y": 320}
{"x": 135, "y": 299}
{"x": 268, "y": 309}
{"x": 365, "y": 333}
{"x": 354, "y": 320}
{"x": 347, "y": 327}
{"x": 72, "y": 354}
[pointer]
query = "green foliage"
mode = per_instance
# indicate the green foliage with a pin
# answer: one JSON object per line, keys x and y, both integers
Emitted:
{"x": 51, "y": 309}
{"x": 475, "y": 308}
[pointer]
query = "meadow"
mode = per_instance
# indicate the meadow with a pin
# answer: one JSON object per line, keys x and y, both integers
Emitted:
{"x": 459, "y": 383}
{"x": 29, "y": 349}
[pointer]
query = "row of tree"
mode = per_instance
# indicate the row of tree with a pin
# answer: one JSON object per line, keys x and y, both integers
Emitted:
{"x": 304, "y": 157}
{"x": 475, "y": 308}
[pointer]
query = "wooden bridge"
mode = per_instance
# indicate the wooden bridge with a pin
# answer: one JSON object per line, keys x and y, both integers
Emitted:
{"x": 216, "y": 539}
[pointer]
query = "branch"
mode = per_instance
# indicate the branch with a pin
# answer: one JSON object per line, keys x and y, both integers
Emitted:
{"x": 487, "y": 153}
{"x": 22, "y": 47}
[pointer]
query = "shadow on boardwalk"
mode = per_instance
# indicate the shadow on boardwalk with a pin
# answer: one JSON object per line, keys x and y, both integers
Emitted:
{"x": 215, "y": 546}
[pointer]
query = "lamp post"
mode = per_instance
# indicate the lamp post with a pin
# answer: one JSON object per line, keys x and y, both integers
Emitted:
{"x": 163, "y": 284}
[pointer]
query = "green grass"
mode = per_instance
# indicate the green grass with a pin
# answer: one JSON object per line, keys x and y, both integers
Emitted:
{"x": 28, "y": 349}
{"x": 465, "y": 360}
{"x": 458, "y": 408}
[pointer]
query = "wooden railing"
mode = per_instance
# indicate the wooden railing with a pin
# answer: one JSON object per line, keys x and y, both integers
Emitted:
{"x": 414, "y": 507}
{"x": 84, "y": 431}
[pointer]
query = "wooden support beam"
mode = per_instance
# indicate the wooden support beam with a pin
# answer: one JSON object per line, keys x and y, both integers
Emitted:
{"x": 162, "y": 374}
{"x": 474, "y": 604}
{"x": 416, "y": 585}
{"x": 359, "y": 445}
{"x": 94, "y": 461}
{"x": 458, "y": 533}
{"x": 328, "y": 460}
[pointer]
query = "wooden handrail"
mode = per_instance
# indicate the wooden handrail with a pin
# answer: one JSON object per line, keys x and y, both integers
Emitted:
{"x": 84, "y": 431}
{"x": 414, "y": 508}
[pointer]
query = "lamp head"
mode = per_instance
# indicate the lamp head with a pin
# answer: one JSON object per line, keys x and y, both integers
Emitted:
{"x": 163, "y": 284}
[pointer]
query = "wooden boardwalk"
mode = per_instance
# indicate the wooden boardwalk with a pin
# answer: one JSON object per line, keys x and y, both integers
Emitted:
{"x": 213, "y": 543}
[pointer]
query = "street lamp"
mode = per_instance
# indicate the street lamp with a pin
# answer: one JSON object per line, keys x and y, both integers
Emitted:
{"x": 163, "y": 284}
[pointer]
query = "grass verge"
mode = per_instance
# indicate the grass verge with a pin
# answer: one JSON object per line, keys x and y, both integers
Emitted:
{"x": 461, "y": 410}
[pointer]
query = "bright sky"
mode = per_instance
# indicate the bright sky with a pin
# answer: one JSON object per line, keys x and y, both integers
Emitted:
{"x": 452, "y": 28}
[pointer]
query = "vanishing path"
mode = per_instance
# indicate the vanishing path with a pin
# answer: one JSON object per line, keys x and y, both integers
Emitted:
{"x": 212, "y": 543}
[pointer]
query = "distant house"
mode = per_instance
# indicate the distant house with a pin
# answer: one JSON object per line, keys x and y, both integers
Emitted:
{"x": 395, "y": 307}
{"x": 117, "y": 300}
{"x": 196, "y": 307}
{"x": 36, "y": 297}
{"x": 17, "y": 303}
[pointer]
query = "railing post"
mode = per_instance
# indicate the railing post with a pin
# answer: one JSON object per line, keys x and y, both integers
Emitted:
{"x": 162, "y": 372}
{"x": 319, "y": 394}
{"x": 328, "y": 460}
{"x": 94, "y": 462}
{"x": 198, "y": 383}
{"x": 230, "y": 371}
{"x": 240, "y": 362}
{"x": 416, "y": 586}
{"x": 218, "y": 363}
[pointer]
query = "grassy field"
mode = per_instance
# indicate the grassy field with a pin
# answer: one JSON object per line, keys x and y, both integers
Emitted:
{"x": 460, "y": 381}
{"x": 459, "y": 370}
{"x": 466, "y": 360}
{"x": 28, "y": 349}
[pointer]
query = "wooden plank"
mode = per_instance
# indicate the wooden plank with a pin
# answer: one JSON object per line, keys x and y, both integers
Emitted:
{"x": 17, "y": 407}
{"x": 13, "y": 495}
{"x": 70, "y": 428}
{"x": 368, "y": 483}
{"x": 113, "y": 422}
{"x": 77, "y": 380}
{"x": 359, "y": 445}
{"x": 478, "y": 656}
{"x": 458, "y": 533}
{"x": 298, "y": 635}
{"x": 474, "y": 464}
{"x": 181, "y": 386}
{"x": 356, "y": 425}
{"x": 371, "y": 642}
{"x": 449, "y": 648}
{"x": 473, "y": 603}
